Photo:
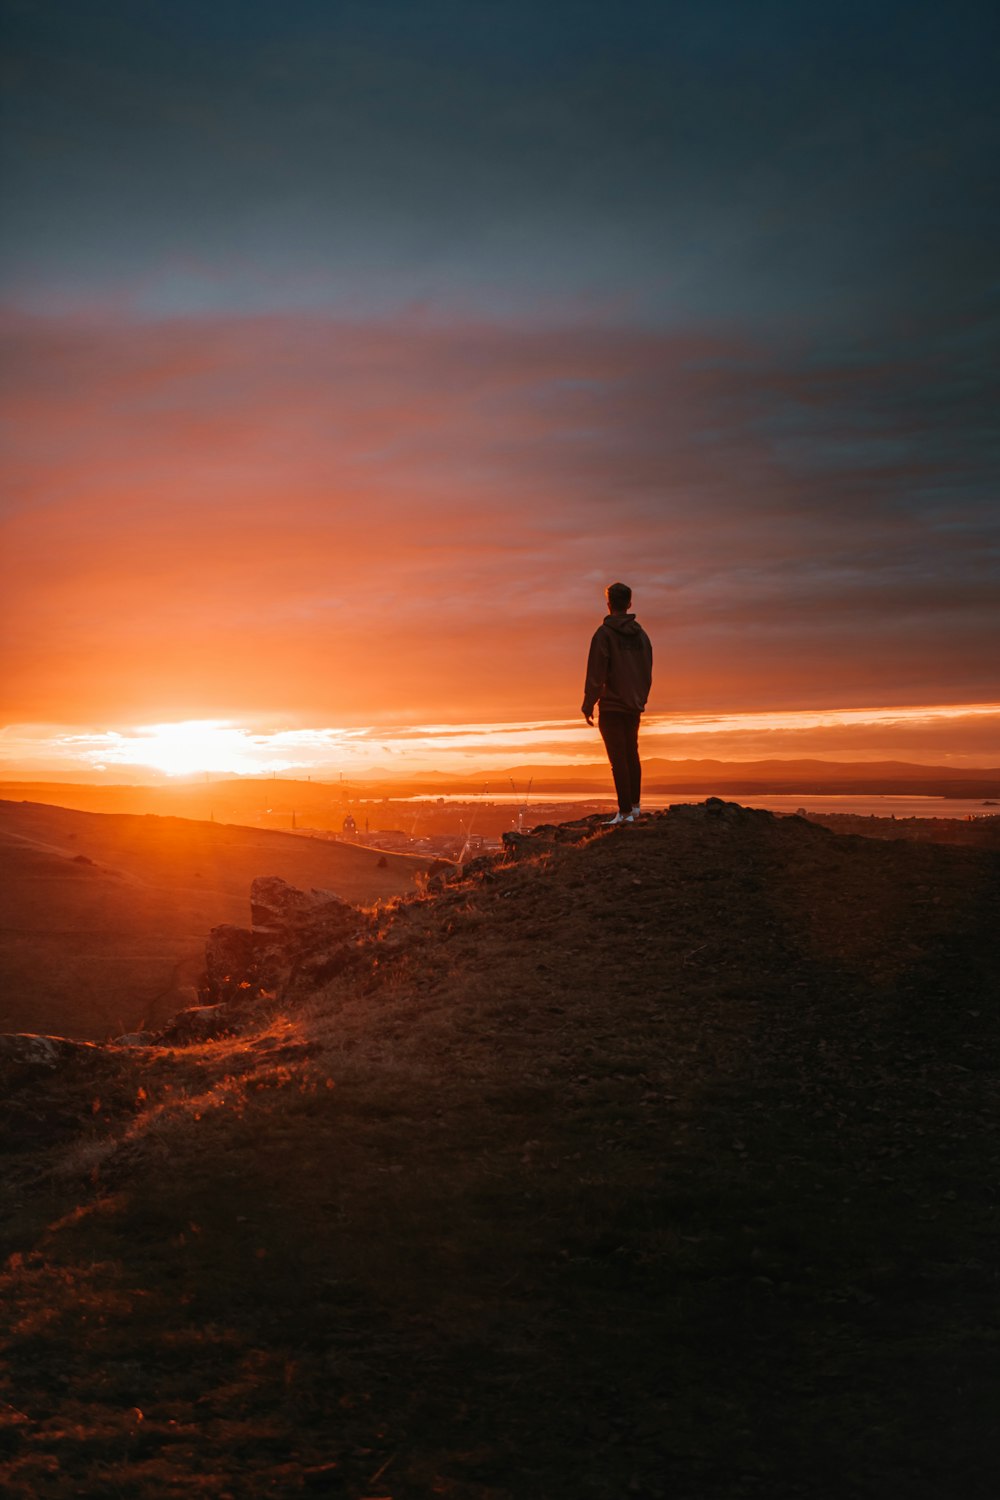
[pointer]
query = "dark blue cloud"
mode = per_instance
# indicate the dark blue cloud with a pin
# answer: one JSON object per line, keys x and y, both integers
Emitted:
{"x": 683, "y": 162}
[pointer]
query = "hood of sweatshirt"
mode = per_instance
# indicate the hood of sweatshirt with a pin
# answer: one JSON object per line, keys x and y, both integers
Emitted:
{"x": 623, "y": 624}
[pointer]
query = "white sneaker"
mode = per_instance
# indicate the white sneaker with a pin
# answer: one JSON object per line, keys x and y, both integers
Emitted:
{"x": 637, "y": 811}
{"x": 619, "y": 818}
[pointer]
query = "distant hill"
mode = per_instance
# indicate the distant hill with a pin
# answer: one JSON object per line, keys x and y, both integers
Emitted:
{"x": 285, "y": 802}
{"x": 731, "y": 778}
{"x": 105, "y": 916}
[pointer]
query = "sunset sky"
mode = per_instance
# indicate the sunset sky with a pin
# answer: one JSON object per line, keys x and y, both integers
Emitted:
{"x": 352, "y": 348}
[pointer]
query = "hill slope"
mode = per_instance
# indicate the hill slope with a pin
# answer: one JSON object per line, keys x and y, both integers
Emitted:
{"x": 656, "y": 1162}
{"x": 105, "y": 916}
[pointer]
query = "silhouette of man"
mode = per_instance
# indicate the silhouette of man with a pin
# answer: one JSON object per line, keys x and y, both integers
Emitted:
{"x": 619, "y": 676}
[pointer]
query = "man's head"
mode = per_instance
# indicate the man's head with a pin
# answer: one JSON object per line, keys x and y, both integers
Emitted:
{"x": 619, "y": 597}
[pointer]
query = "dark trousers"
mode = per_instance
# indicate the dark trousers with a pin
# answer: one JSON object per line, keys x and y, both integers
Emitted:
{"x": 620, "y": 733}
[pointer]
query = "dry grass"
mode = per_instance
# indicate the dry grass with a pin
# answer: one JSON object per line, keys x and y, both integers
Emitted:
{"x": 660, "y": 1166}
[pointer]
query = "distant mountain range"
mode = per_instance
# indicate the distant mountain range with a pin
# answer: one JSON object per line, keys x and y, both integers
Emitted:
{"x": 818, "y": 776}
{"x": 231, "y": 799}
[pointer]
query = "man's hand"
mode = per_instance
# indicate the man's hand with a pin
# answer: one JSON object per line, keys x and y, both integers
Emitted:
{"x": 590, "y": 719}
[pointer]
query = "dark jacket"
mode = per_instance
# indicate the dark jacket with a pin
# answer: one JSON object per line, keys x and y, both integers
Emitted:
{"x": 619, "y": 668}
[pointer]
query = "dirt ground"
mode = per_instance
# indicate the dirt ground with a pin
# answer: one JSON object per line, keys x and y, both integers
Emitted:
{"x": 657, "y": 1162}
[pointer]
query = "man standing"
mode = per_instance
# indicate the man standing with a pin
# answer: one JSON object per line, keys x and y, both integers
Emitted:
{"x": 619, "y": 675}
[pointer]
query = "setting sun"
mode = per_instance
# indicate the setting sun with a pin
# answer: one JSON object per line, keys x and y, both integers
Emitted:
{"x": 183, "y": 749}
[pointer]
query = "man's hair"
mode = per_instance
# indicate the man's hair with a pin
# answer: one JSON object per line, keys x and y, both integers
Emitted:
{"x": 619, "y": 595}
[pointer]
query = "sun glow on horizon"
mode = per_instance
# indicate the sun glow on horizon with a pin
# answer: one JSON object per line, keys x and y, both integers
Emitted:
{"x": 186, "y": 748}
{"x": 196, "y": 747}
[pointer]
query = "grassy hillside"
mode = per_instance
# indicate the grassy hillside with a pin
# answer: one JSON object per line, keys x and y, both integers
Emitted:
{"x": 105, "y": 916}
{"x": 660, "y": 1162}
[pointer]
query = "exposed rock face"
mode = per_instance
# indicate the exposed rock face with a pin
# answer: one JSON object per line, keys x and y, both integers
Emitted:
{"x": 23, "y": 1054}
{"x": 529, "y": 844}
{"x": 275, "y": 904}
{"x": 294, "y": 934}
{"x": 716, "y": 807}
{"x": 230, "y": 957}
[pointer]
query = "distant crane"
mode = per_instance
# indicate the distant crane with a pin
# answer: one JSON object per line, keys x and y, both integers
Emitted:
{"x": 460, "y": 861}
{"x": 524, "y": 806}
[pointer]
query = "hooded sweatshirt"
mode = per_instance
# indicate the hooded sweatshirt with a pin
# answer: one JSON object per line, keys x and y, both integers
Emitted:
{"x": 619, "y": 668}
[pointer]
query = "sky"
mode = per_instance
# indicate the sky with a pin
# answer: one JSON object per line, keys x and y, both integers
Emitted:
{"x": 351, "y": 349}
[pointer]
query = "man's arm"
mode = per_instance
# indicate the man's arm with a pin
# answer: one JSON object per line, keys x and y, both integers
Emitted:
{"x": 597, "y": 673}
{"x": 648, "y": 654}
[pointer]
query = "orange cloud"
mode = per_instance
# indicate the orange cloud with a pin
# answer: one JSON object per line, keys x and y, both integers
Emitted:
{"x": 319, "y": 522}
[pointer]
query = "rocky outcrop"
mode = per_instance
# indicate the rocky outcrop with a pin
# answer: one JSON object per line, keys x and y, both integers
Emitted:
{"x": 544, "y": 837}
{"x": 25, "y": 1055}
{"x": 230, "y": 962}
{"x": 276, "y": 906}
{"x": 715, "y": 808}
{"x": 52, "y": 1087}
{"x": 295, "y": 935}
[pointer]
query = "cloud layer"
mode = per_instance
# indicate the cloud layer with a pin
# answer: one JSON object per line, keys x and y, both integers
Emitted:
{"x": 352, "y": 350}
{"x": 307, "y": 518}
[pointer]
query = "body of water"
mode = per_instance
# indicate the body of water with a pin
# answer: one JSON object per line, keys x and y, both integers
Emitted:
{"x": 863, "y": 804}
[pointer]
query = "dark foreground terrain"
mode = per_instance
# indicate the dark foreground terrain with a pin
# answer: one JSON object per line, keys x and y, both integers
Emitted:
{"x": 656, "y": 1162}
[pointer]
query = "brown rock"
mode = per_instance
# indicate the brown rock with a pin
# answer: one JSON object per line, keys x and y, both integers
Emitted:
{"x": 232, "y": 967}
{"x": 23, "y": 1054}
{"x": 278, "y": 906}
